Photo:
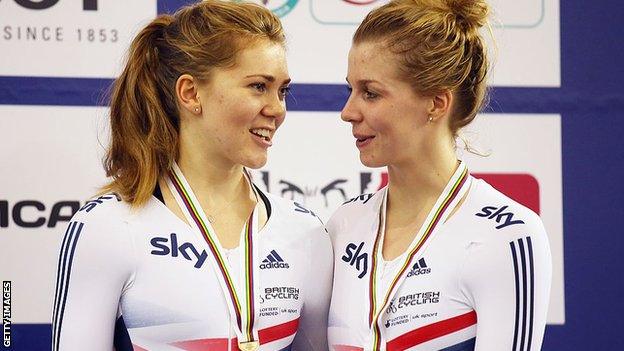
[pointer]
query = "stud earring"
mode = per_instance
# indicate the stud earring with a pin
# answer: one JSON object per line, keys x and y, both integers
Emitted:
{"x": 197, "y": 109}
{"x": 430, "y": 119}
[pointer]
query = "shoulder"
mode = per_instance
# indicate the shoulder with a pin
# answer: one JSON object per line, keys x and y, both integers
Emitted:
{"x": 503, "y": 237}
{"x": 104, "y": 212}
{"x": 98, "y": 231}
{"x": 354, "y": 211}
{"x": 294, "y": 213}
{"x": 502, "y": 214}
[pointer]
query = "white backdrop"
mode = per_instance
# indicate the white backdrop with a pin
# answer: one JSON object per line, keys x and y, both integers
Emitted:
{"x": 526, "y": 35}
{"x": 67, "y": 41}
{"x": 52, "y": 154}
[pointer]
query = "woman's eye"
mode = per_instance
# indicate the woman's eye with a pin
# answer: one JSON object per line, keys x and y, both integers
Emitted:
{"x": 261, "y": 87}
{"x": 284, "y": 91}
{"x": 369, "y": 95}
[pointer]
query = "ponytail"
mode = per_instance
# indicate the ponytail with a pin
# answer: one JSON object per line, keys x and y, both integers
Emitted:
{"x": 144, "y": 129}
{"x": 144, "y": 116}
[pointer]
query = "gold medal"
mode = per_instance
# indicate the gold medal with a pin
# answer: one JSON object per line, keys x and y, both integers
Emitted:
{"x": 242, "y": 301}
{"x": 248, "y": 346}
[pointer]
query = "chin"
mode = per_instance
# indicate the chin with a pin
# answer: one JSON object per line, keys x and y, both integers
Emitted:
{"x": 371, "y": 162}
{"x": 255, "y": 162}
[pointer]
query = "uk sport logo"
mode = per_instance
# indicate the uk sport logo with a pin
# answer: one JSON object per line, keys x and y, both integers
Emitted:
{"x": 274, "y": 260}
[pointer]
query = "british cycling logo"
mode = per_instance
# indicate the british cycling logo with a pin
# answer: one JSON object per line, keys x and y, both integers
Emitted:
{"x": 353, "y": 257}
{"x": 279, "y": 293}
{"x": 281, "y": 8}
{"x": 419, "y": 298}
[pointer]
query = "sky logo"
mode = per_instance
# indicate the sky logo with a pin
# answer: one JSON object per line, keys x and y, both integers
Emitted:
{"x": 354, "y": 258}
{"x": 170, "y": 246}
{"x": 499, "y": 215}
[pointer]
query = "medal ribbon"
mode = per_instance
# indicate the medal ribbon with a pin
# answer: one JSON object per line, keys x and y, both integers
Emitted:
{"x": 241, "y": 306}
{"x": 448, "y": 199}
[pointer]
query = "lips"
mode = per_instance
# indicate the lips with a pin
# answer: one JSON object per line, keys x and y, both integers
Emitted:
{"x": 262, "y": 136}
{"x": 363, "y": 140}
{"x": 265, "y": 133}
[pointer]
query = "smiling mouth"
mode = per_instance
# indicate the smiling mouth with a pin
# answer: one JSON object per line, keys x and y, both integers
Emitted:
{"x": 262, "y": 133}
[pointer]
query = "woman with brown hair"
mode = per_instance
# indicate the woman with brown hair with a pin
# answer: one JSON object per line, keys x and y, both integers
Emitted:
{"x": 185, "y": 252}
{"x": 437, "y": 260}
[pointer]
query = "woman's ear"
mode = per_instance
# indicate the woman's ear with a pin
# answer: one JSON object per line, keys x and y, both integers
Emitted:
{"x": 440, "y": 106}
{"x": 187, "y": 93}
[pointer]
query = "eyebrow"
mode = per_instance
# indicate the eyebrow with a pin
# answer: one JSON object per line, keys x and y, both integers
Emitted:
{"x": 365, "y": 81}
{"x": 267, "y": 77}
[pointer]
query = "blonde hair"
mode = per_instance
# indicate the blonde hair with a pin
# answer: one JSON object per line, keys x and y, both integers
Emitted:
{"x": 144, "y": 116}
{"x": 438, "y": 46}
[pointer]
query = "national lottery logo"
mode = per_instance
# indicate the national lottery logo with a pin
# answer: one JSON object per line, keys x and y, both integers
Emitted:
{"x": 279, "y": 7}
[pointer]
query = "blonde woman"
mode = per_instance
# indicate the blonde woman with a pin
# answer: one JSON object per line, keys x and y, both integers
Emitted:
{"x": 437, "y": 260}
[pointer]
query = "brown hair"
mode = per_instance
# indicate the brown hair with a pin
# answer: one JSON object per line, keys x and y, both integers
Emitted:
{"x": 439, "y": 48}
{"x": 144, "y": 112}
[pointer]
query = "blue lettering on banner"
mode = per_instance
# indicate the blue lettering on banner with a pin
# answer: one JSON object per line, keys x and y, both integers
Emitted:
{"x": 87, "y": 5}
{"x": 61, "y": 211}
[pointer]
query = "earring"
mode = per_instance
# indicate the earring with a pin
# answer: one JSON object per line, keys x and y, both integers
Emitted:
{"x": 197, "y": 109}
{"x": 430, "y": 119}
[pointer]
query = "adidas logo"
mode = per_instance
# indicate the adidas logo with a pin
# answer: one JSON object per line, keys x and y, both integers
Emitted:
{"x": 419, "y": 268}
{"x": 273, "y": 260}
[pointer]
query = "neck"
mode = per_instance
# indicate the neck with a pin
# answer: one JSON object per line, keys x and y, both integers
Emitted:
{"x": 212, "y": 181}
{"x": 420, "y": 180}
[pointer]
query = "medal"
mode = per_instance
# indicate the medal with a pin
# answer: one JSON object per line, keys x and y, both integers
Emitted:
{"x": 249, "y": 345}
{"x": 241, "y": 300}
{"x": 453, "y": 192}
